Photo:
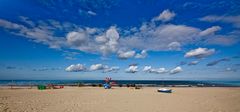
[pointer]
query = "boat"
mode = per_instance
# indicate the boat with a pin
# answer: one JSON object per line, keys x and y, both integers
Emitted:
{"x": 165, "y": 90}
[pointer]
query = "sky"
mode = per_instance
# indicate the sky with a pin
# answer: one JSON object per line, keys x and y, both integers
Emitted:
{"x": 122, "y": 39}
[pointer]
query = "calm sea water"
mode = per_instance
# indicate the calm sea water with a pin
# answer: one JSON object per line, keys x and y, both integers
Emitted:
{"x": 154, "y": 82}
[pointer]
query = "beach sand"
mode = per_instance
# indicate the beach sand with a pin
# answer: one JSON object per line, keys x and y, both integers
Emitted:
{"x": 96, "y": 99}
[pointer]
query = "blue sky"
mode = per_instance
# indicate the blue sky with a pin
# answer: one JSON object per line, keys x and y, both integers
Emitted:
{"x": 144, "y": 39}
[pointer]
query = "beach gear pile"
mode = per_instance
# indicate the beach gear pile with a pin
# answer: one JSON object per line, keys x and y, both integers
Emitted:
{"x": 41, "y": 87}
{"x": 49, "y": 86}
{"x": 107, "y": 84}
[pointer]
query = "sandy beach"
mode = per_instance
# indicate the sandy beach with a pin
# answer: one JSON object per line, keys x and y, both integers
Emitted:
{"x": 95, "y": 99}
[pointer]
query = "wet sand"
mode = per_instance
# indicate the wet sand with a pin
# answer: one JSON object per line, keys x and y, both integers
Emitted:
{"x": 95, "y": 99}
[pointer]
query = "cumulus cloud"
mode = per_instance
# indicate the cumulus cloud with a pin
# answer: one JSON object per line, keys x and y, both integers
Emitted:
{"x": 111, "y": 69}
{"x": 165, "y": 16}
{"x": 160, "y": 38}
{"x": 193, "y": 63}
{"x": 10, "y": 25}
{"x": 174, "y": 46}
{"x": 101, "y": 39}
{"x": 217, "y": 61}
{"x": 210, "y": 31}
{"x": 176, "y": 70}
{"x": 41, "y": 33}
{"x": 126, "y": 55}
{"x": 77, "y": 38}
{"x": 149, "y": 69}
{"x": 132, "y": 69}
{"x": 159, "y": 70}
{"x": 143, "y": 54}
{"x": 95, "y": 67}
{"x": 150, "y": 36}
{"x": 222, "y": 40}
{"x": 199, "y": 53}
{"x": 235, "y": 20}
{"x": 80, "y": 38}
{"x": 76, "y": 68}
{"x": 104, "y": 68}
{"x": 109, "y": 40}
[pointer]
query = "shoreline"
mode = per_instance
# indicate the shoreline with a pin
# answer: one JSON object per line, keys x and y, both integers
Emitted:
{"x": 89, "y": 86}
{"x": 144, "y": 83}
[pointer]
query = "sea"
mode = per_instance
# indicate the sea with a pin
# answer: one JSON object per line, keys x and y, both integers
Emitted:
{"x": 207, "y": 83}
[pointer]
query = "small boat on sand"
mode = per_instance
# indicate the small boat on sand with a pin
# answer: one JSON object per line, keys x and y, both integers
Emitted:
{"x": 165, "y": 90}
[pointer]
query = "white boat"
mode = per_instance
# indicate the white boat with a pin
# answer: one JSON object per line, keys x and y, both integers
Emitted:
{"x": 165, "y": 90}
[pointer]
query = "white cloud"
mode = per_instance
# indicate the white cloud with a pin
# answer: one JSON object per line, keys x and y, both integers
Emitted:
{"x": 75, "y": 68}
{"x": 174, "y": 46}
{"x": 199, "y": 53}
{"x": 143, "y": 54}
{"x": 93, "y": 40}
{"x": 10, "y": 25}
{"x": 111, "y": 69}
{"x": 165, "y": 16}
{"x": 149, "y": 69}
{"x": 223, "y": 40}
{"x": 176, "y": 70}
{"x": 235, "y": 20}
{"x": 159, "y": 70}
{"x": 210, "y": 31}
{"x": 104, "y": 68}
{"x": 41, "y": 33}
{"x": 126, "y": 55}
{"x": 101, "y": 39}
{"x": 150, "y": 36}
{"x": 111, "y": 45}
{"x": 27, "y": 21}
{"x": 132, "y": 69}
{"x": 193, "y": 63}
{"x": 95, "y": 67}
{"x": 159, "y": 38}
{"x": 77, "y": 38}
